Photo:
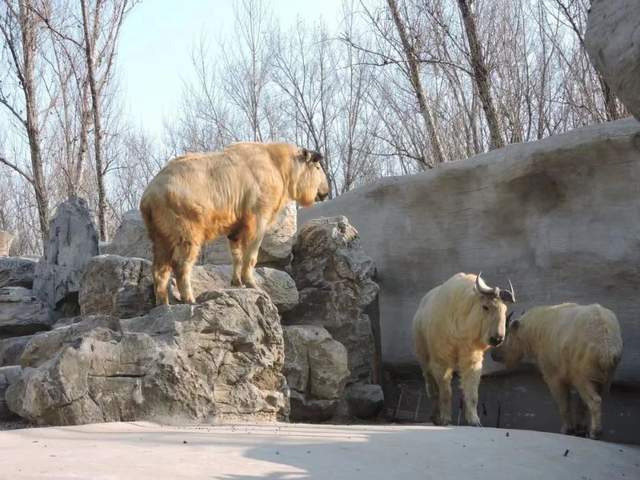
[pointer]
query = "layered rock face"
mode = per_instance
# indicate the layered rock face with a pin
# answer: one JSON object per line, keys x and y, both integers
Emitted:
{"x": 114, "y": 356}
{"x": 613, "y": 42}
{"x": 131, "y": 240}
{"x": 17, "y": 271}
{"x": 219, "y": 360}
{"x": 119, "y": 286}
{"x": 334, "y": 277}
{"x": 559, "y": 217}
{"x": 21, "y": 316}
{"x": 21, "y": 313}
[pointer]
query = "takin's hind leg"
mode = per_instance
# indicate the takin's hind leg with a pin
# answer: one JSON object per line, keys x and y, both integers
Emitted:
{"x": 560, "y": 393}
{"x": 161, "y": 271}
{"x": 593, "y": 400}
{"x": 580, "y": 415}
{"x": 185, "y": 255}
{"x": 235, "y": 248}
{"x": 161, "y": 274}
{"x": 432, "y": 392}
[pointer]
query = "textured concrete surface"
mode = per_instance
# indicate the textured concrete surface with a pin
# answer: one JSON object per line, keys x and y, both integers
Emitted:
{"x": 558, "y": 216}
{"x": 144, "y": 450}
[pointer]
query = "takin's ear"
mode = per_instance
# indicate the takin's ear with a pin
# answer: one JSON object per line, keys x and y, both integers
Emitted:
{"x": 509, "y": 318}
{"x": 316, "y": 157}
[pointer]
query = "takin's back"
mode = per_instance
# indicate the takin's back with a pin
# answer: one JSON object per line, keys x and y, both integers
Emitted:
{"x": 572, "y": 336}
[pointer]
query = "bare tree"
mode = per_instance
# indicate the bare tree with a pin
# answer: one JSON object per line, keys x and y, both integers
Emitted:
{"x": 574, "y": 13}
{"x": 412, "y": 62}
{"x": 246, "y": 64}
{"x": 19, "y": 30}
{"x": 100, "y": 38}
{"x": 481, "y": 73}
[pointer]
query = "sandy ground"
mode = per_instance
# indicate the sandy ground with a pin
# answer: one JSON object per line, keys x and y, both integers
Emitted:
{"x": 287, "y": 452}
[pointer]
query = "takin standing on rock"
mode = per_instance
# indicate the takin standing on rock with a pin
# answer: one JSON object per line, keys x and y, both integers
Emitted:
{"x": 573, "y": 345}
{"x": 454, "y": 325}
{"x": 237, "y": 192}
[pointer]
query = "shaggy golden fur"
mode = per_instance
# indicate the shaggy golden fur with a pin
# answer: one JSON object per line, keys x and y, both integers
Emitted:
{"x": 573, "y": 345}
{"x": 451, "y": 331}
{"x": 237, "y": 192}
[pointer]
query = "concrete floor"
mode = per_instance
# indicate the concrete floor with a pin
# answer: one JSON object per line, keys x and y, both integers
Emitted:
{"x": 143, "y": 450}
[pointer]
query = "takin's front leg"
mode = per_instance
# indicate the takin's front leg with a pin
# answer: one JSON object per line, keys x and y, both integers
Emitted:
{"x": 469, "y": 382}
{"x": 184, "y": 257}
{"x": 442, "y": 377}
{"x": 255, "y": 233}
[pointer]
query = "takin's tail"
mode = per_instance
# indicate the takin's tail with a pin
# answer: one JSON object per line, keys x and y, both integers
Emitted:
{"x": 612, "y": 364}
{"x": 610, "y": 347}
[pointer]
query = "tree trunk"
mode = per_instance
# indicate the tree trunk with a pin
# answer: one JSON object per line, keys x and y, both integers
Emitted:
{"x": 416, "y": 83}
{"x": 481, "y": 74}
{"x": 29, "y": 46}
{"x": 609, "y": 98}
{"x": 84, "y": 137}
{"x": 97, "y": 128}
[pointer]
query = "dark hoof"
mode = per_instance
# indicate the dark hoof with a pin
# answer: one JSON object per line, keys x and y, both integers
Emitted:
{"x": 440, "y": 422}
{"x": 595, "y": 435}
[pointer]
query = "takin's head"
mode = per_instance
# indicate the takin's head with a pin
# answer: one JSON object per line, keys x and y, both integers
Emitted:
{"x": 312, "y": 184}
{"x": 493, "y": 309}
{"x": 512, "y": 350}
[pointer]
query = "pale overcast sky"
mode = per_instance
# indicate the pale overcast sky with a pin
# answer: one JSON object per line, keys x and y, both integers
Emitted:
{"x": 157, "y": 39}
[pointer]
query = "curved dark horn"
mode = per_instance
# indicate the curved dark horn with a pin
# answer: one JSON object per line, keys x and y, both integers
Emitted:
{"x": 508, "y": 295}
{"x": 482, "y": 287}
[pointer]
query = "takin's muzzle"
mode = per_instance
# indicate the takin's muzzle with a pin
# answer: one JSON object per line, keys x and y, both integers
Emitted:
{"x": 321, "y": 196}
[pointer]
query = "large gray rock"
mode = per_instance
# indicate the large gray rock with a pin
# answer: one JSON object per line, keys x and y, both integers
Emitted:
{"x": 311, "y": 410}
{"x": 613, "y": 42}
{"x": 21, "y": 313}
{"x": 558, "y": 216}
{"x": 220, "y": 360}
{"x": 8, "y": 375}
{"x": 17, "y": 271}
{"x": 131, "y": 240}
{"x": 316, "y": 368}
{"x": 364, "y": 401}
{"x": 122, "y": 287}
{"x": 73, "y": 240}
{"x": 277, "y": 284}
{"x": 11, "y": 349}
{"x": 6, "y": 239}
{"x": 315, "y": 363}
{"x": 334, "y": 279}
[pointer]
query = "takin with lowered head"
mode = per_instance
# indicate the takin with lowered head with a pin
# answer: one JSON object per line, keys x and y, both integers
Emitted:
{"x": 573, "y": 345}
{"x": 454, "y": 325}
{"x": 237, "y": 192}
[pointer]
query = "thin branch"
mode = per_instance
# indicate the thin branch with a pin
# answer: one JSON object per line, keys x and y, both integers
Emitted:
{"x": 17, "y": 169}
